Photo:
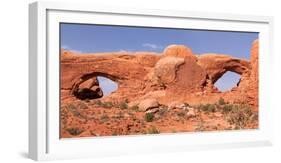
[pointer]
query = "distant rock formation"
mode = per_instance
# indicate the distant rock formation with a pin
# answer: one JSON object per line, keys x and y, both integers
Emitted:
{"x": 180, "y": 74}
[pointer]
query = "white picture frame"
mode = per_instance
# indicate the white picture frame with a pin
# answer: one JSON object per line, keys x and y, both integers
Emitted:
{"x": 44, "y": 141}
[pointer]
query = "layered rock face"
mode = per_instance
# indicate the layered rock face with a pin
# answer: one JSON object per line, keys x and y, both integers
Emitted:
{"x": 174, "y": 75}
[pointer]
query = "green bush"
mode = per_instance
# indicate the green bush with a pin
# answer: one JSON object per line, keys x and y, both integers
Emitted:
{"x": 123, "y": 105}
{"x": 135, "y": 108}
{"x": 228, "y": 108}
{"x": 181, "y": 114}
{"x": 221, "y": 101}
{"x": 148, "y": 117}
{"x": 107, "y": 104}
{"x": 98, "y": 102}
{"x": 104, "y": 118}
{"x": 207, "y": 107}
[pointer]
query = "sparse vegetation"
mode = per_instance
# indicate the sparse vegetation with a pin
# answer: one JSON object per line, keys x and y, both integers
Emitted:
{"x": 98, "y": 102}
{"x": 153, "y": 130}
{"x": 207, "y": 107}
{"x": 181, "y": 114}
{"x": 123, "y": 105}
{"x": 104, "y": 118}
{"x": 119, "y": 115}
{"x": 106, "y": 104}
{"x": 148, "y": 117}
{"x": 135, "y": 108}
{"x": 221, "y": 101}
{"x": 220, "y": 115}
{"x": 228, "y": 108}
{"x": 240, "y": 116}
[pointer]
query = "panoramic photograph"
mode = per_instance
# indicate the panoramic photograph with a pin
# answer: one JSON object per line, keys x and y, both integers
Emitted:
{"x": 127, "y": 80}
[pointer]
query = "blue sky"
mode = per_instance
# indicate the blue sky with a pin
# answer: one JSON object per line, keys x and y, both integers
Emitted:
{"x": 98, "y": 38}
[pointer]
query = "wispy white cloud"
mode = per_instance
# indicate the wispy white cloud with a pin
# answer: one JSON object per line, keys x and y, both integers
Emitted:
{"x": 66, "y": 47}
{"x": 152, "y": 46}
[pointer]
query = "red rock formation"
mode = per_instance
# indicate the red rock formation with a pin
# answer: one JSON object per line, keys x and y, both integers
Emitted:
{"x": 178, "y": 72}
{"x": 170, "y": 86}
{"x": 179, "y": 51}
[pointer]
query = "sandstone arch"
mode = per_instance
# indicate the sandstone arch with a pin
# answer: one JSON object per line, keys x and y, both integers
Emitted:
{"x": 90, "y": 90}
{"x": 126, "y": 69}
{"x": 224, "y": 83}
{"x": 177, "y": 73}
{"x": 216, "y": 65}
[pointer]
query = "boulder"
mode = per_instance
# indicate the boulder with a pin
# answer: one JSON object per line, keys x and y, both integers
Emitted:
{"x": 166, "y": 68}
{"x": 148, "y": 104}
{"x": 191, "y": 112}
{"x": 179, "y": 51}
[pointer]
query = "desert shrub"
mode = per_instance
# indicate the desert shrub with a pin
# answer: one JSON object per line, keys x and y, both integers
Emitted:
{"x": 104, "y": 118}
{"x": 181, "y": 114}
{"x": 207, "y": 107}
{"x": 98, "y": 102}
{"x": 74, "y": 131}
{"x": 240, "y": 116}
{"x": 221, "y": 101}
{"x": 107, "y": 104}
{"x": 153, "y": 130}
{"x": 148, "y": 117}
{"x": 228, "y": 108}
{"x": 135, "y": 108}
{"x": 119, "y": 115}
{"x": 123, "y": 105}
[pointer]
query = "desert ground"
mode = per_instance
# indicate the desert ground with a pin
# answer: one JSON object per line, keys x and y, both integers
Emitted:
{"x": 169, "y": 92}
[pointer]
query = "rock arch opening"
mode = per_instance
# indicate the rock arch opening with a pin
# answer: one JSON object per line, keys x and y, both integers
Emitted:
{"x": 94, "y": 86}
{"x": 107, "y": 85}
{"x": 228, "y": 81}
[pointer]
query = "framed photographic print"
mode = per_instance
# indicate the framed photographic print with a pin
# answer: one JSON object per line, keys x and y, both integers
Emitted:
{"x": 109, "y": 81}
